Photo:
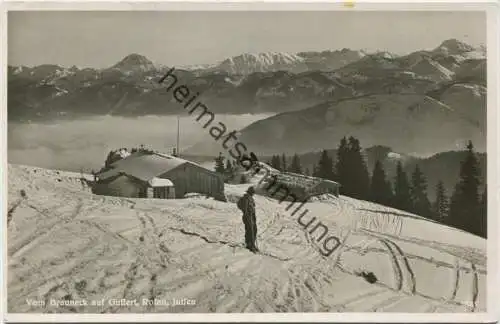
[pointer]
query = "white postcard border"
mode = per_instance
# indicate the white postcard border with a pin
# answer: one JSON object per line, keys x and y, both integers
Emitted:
{"x": 493, "y": 164}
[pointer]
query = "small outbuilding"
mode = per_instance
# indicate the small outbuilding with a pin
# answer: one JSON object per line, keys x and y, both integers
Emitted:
{"x": 325, "y": 187}
{"x": 300, "y": 186}
{"x": 156, "y": 175}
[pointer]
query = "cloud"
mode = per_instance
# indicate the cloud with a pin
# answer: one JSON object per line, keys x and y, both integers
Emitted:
{"x": 84, "y": 143}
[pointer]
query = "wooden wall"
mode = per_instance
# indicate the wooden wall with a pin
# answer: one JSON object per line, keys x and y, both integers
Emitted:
{"x": 120, "y": 186}
{"x": 191, "y": 178}
{"x": 325, "y": 187}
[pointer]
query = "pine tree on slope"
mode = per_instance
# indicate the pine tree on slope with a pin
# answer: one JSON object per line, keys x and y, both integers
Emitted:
{"x": 359, "y": 184}
{"x": 418, "y": 191}
{"x": 465, "y": 204}
{"x": 283, "y": 163}
{"x": 440, "y": 206}
{"x": 324, "y": 168}
{"x": 275, "y": 162}
{"x": 342, "y": 167}
{"x": 483, "y": 231}
{"x": 295, "y": 166}
{"x": 380, "y": 188}
{"x": 402, "y": 198}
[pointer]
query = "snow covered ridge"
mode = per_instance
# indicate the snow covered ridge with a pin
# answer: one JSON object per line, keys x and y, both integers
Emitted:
{"x": 273, "y": 82}
{"x": 261, "y": 62}
{"x": 66, "y": 244}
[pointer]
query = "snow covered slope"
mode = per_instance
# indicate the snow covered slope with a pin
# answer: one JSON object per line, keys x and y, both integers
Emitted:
{"x": 66, "y": 243}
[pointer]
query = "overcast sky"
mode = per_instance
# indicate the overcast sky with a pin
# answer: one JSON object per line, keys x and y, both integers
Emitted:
{"x": 100, "y": 39}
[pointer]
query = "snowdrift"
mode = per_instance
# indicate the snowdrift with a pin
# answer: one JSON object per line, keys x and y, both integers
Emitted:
{"x": 65, "y": 243}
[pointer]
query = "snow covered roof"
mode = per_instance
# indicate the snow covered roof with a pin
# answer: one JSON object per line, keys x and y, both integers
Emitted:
{"x": 142, "y": 166}
{"x": 160, "y": 182}
{"x": 295, "y": 179}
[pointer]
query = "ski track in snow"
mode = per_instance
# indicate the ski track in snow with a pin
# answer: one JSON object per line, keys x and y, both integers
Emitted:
{"x": 64, "y": 242}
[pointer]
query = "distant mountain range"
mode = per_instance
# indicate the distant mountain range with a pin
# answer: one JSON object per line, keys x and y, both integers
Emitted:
{"x": 248, "y": 83}
{"x": 422, "y": 103}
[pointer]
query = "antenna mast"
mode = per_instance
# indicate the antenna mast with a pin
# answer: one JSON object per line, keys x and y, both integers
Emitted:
{"x": 178, "y": 132}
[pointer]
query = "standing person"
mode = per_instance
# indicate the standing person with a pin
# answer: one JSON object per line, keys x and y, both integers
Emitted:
{"x": 247, "y": 205}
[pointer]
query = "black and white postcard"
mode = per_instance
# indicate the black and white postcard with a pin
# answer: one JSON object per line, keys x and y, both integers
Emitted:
{"x": 250, "y": 162}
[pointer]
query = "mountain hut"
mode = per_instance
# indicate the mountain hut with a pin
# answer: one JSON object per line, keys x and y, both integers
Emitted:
{"x": 156, "y": 175}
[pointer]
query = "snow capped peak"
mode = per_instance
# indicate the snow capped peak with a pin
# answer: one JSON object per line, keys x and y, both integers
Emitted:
{"x": 453, "y": 47}
{"x": 233, "y": 82}
{"x": 123, "y": 153}
{"x": 394, "y": 156}
{"x": 383, "y": 55}
{"x": 191, "y": 67}
{"x": 63, "y": 73}
{"x": 135, "y": 59}
{"x": 431, "y": 69}
{"x": 134, "y": 62}
{"x": 248, "y": 63}
{"x": 18, "y": 70}
{"x": 259, "y": 62}
{"x": 269, "y": 58}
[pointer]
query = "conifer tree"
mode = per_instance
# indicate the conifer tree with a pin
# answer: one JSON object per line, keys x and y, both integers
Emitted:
{"x": 390, "y": 202}
{"x": 315, "y": 170}
{"x": 295, "y": 166}
{"x": 380, "y": 188}
{"x": 283, "y": 163}
{"x": 111, "y": 158}
{"x": 465, "y": 203}
{"x": 219, "y": 164}
{"x": 483, "y": 231}
{"x": 342, "y": 166}
{"x": 275, "y": 162}
{"x": 324, "y": 168}
{"x": 418, "y": 192}
{"x": 359, "y": 178}
{"x": 441, "y": 205}
{"x": 402, "y": 198}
